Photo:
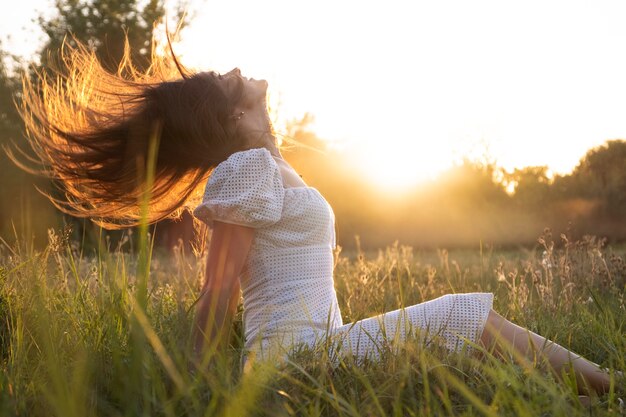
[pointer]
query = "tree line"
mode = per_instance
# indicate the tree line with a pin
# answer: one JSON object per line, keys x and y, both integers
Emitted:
{"x": 472, "y": 202}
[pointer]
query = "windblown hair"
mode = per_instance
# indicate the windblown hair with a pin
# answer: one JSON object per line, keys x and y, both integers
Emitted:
{"x": 91, "y": 130}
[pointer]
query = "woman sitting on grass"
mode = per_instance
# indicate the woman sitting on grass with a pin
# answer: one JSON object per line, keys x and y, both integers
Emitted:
{"x": 272, "y": 235}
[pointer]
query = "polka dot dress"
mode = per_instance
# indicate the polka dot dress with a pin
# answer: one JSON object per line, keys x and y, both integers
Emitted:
{"x": 287, "y": 282}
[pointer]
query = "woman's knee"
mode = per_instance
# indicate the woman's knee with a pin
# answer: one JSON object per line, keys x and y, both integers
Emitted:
{"x": 493, "y": 327}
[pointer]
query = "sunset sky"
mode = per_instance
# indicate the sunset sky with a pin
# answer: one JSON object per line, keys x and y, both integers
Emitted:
{"x": 408, "y": 87}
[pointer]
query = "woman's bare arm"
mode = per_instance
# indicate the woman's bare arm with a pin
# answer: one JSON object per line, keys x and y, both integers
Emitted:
{"x": 219, "y": 297}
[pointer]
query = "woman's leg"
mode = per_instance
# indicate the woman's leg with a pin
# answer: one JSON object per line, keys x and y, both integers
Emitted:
{"x": 450, "y": 320}
{"x": 504, "y": 336}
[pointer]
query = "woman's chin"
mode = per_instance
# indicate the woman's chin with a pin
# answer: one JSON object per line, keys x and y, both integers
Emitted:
{"x": 262, "y": 89}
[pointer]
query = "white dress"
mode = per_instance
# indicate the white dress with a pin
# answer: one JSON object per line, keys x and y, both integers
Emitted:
{"x": 287, "y": 281}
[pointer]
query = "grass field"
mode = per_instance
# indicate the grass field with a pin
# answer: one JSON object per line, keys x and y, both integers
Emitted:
{"x": 107, "y": 333}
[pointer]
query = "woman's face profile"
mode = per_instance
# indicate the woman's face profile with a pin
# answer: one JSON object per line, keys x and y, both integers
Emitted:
{"x": 250, "y": 92}
{"x": 250, "y": 112}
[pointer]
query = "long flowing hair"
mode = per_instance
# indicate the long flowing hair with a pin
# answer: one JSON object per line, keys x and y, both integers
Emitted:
{"x": 92, "y": 131}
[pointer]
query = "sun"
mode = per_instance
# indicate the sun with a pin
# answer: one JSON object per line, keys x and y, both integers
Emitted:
{"x": 399, "y": 167}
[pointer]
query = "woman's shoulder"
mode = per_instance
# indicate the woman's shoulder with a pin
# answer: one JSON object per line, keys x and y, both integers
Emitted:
{"x": 250, "y": 156}
{"x": 249, "y": 164}
{"x": 244, "y": 189}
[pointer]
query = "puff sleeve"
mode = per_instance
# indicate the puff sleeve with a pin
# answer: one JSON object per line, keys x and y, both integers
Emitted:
{"x": 246, "y": 189}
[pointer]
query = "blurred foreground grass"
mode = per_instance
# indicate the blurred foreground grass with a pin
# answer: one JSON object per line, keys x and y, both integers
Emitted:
{"x": 77, "y": 337}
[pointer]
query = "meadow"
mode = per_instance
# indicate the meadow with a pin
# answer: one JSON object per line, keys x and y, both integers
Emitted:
{"x": 106, "y": 332}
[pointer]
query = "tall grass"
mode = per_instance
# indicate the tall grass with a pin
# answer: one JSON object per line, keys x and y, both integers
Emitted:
{"x": 107, "y": 333}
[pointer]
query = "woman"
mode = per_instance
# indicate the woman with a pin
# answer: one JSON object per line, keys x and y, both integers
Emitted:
{"x": 272, "y": 235}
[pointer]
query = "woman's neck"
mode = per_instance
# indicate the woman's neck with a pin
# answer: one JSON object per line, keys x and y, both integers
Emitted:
{"x": 271, "y": 146}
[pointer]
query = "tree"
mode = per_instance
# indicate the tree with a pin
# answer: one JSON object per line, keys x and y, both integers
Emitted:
{"x": 21, "y": 208}
{"x": 473, "y": 184}
{"x": 532, "y": 186}
{"x": 601, "y": 174}
{"x": 9, "y": 85}
{"x": 9, "y": 131}
{"x": 103, "y": 25}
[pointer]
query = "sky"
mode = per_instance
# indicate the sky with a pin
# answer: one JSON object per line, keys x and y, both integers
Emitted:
{"x": 407, "y": 88}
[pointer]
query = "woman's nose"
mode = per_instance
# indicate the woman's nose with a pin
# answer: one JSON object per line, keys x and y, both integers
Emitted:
{"x": 235, "y": 71}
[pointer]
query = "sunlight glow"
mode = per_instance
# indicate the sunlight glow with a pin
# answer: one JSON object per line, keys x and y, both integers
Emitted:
{"x": 415, "y": 86}
{"x": 411, "y": 87}
{"x": 396, "y": 169}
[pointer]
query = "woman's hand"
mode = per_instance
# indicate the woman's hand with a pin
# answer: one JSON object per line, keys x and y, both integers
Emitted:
{"x": 219, "y": 297}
